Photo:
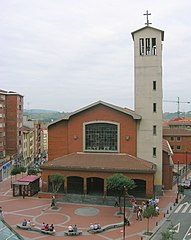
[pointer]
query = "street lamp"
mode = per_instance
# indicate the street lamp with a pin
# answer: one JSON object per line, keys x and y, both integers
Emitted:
{"x": 186, "y": 165}
{"x": 177, "y": 184}
{"x": 124, "y": 217}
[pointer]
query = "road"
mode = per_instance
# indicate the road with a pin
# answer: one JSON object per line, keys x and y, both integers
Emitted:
{"x": 178, "y": 223}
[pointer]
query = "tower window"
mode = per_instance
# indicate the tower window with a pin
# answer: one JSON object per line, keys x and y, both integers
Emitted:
{"x": 148, "y": 47}
{"x": 154, "y": 130}
{"x": 154, "y": 152}
{"x": 141, "y": 46}
{"x": 154, "y": 85}
{"x": 154, "y": 107}
{"x": 153, "y": 51}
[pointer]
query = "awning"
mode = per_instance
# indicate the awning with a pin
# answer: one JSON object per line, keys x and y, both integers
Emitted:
{"x": 21, "y": 183}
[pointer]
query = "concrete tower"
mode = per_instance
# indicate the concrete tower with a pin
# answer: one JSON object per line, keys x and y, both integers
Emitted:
{"x": 148, "y": 95}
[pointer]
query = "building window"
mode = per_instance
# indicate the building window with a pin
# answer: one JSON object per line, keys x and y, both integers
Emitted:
{"x": 141, "y": 46}
{"x": 172, "y": 147}
{"x": 178, "y": 147}
{"x": 101, "y": 137}
{"x": 154, "y": 152}
{"x": 178, "y": 139}
{"x": 153, "y": 49}
{"x": 148, "y": 47}
{"x": 154, "y": 107}
{"x": 154, "y": 85}
{"x": 154, "y": 130}
{"x": 171, "y": 139}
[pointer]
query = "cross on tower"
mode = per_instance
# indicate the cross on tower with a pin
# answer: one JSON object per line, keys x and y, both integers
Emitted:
{"x": 147, "y": 14}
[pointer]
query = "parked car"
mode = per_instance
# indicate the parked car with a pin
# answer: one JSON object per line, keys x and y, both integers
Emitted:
{"x": 186, "y": 184}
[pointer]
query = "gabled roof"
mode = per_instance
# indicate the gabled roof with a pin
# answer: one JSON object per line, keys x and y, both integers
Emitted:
{"x": 166, "y": 147}
{"x": 138, "y": 30}
{"x": 101, "y": 162}
{"x": 120, "y": 109}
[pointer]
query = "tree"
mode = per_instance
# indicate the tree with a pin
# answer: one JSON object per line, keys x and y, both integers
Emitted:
{"x": 32, "y": 171}
{"x": 116, "y": 183}
{"x": 15, "y": 171}
{"x": 149, "y": 212}
{"x": 168, "y": 234}
{"x": 56, "y": 180}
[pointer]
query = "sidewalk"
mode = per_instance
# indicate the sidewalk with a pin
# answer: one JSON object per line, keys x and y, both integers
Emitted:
{"x": 38, "y": 210}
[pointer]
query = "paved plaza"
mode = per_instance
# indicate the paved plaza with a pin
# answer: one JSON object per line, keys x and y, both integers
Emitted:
{"x": 38, "y": 210}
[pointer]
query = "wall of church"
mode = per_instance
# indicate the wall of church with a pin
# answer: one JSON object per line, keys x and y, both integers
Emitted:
{"x": 66, "y": 137}
{"x": 57, "y": 140}
{"x": 167, "y": 172}
{"x": 104, "y": 175}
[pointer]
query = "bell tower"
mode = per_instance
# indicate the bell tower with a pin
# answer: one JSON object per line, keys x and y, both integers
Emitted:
{"x": 148, "y": 94}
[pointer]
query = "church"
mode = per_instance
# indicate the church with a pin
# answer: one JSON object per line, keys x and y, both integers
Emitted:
{"x": 101, "y": 139}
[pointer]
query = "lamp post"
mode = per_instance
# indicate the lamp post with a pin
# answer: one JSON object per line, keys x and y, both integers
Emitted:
{"x": 186, "y": 165}
{"x": 124, "y": 217}
{"x": 177, "y": 184}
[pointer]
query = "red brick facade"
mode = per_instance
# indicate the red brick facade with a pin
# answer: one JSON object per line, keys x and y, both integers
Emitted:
{"x": 67, "y": 136}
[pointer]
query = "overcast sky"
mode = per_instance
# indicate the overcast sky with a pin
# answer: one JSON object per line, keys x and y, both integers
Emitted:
{"x": 66, "y": 54}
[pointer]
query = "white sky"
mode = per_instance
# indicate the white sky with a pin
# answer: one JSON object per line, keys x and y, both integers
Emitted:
{"x": 66, "y": 54}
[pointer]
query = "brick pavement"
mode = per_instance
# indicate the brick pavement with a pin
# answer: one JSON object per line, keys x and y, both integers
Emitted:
{"x": 38, "y": 210}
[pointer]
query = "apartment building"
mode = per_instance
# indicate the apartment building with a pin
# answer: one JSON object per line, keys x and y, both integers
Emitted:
{"x": 40, "y": 135}
{"x": 11, "y": 137}
{"x": 178, "y": 133}
{"x": 28, "y": 146}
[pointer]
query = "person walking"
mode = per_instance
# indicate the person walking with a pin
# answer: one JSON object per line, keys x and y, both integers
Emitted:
{"x": 1, "y": 213}
{"x": 116, "y": 203}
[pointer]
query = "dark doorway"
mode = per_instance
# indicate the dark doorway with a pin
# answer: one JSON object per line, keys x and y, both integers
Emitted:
{"x": 75, "y": 185}
{"x": 139, "y": 190}
{"x": 95, "y": 186}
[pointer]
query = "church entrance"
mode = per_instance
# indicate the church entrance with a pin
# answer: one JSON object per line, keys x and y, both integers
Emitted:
{"x": 139, "y": 190}
{"x": 75, "y": 185}
{"x": 95, "y": 186}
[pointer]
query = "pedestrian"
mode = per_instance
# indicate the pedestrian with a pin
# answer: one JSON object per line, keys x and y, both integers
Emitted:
{"x": 53, "y": 201}
{"x": 116, "y": 203}
{"x": 23, "y": 194}
{"x": 1, "y": 213}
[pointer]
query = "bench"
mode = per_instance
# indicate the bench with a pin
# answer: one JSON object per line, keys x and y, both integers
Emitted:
{"x": 108, "y": 227}
{"x": 36, "y": 229}
{"x": 30, "y": 228}
{"x": 48, "y": 232}
{"x": 73, "y": 233}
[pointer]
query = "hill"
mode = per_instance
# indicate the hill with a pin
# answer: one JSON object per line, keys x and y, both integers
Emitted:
{"x": 51, "y": 115}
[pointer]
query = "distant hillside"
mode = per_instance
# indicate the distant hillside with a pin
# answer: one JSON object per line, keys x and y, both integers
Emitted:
{"x": 36, "y": 111}
{"x": 168, "y": 116}
{"x": 44, "y": 115}
{"x": 51, "y": 115}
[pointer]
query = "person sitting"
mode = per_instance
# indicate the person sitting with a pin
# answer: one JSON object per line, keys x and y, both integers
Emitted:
{"x": 42, "y": 226}
{"x": 70, "y": 228}
{"x": 46, "y": 228}
{"x": 75, "y": 229}
{"x": 51, "y": 228}
{"x": 99, "y": 226}
{"x": 24, "y": 223}
{"x": 96, "y": 226}
{"x": 91, "y": 226}
{"x": 28, "y": 223}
